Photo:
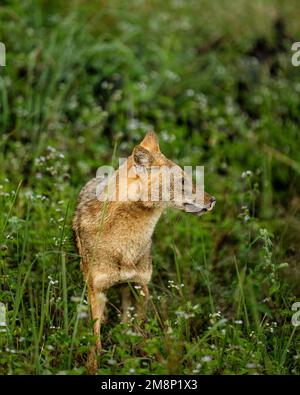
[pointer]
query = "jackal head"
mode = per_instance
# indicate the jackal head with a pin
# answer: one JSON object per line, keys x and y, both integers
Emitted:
{"x": 156, "y": 181}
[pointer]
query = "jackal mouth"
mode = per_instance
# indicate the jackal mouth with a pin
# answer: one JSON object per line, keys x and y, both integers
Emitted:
{"x": 198, "y": 211}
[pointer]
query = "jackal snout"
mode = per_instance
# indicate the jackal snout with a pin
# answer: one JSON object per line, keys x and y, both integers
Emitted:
{"x": 199, "y": 209}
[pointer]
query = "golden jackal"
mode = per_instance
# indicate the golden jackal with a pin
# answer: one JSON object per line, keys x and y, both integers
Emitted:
{"x": 114, "y": 235}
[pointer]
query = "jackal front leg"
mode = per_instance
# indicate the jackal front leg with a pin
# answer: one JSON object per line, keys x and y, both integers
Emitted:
{"x": 97, "y": 300}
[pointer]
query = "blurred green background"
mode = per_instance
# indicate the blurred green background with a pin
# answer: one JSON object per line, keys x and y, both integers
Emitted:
{"x": 83, "y": 82}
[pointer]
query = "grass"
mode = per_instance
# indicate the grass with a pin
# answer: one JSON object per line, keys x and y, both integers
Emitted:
{"x": 83, "y": 83}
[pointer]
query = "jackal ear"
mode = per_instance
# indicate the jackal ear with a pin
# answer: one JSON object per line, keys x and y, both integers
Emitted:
{"x": 150, "y": 141}
{"x": 142, "y": 156}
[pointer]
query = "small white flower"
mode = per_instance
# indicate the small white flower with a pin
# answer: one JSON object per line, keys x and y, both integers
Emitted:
{"x": 133, "y": 124}
{"x": 76, "y": 299}
{"x": 172, "y": 76}
{"x": 82, "y": 314}
{"x": 10, "y": 350}
{"x": 239, "y": 322}
{"x": 51, "y": 281}
{"x": 206, "y": 358}
{"x": 50, "y": 347}
{"x": 246, "y": 173}
{"x": 169, "y": 331}
{"x": 190, "y": 92}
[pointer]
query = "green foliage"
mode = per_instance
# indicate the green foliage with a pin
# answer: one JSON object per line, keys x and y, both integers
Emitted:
{"x": 83, "y": 83}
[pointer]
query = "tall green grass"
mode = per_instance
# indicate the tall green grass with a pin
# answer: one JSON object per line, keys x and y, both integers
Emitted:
{"x": 83, "y": 83}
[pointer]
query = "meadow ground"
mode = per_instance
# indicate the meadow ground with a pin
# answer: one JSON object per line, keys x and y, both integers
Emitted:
{"x": 82, "y": 84}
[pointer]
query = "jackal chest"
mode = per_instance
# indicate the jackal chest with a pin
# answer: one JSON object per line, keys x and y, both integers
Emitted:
{"x": 131, "y": 240}
{"x": 129, "y": 261}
